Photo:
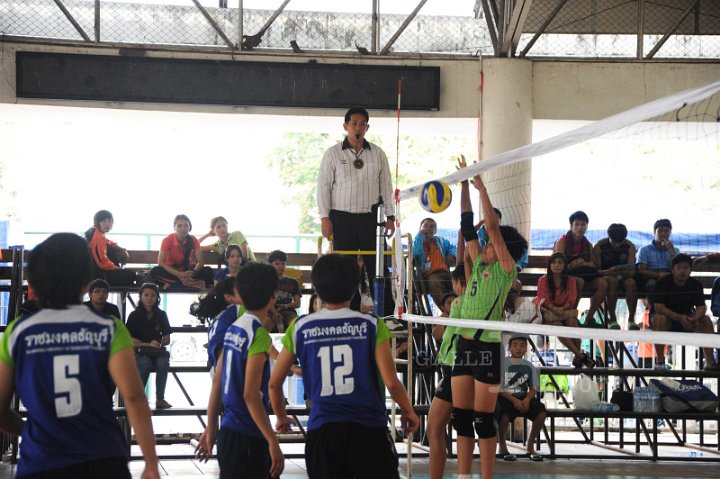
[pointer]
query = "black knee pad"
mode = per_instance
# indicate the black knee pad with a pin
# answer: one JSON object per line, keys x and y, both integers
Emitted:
{"x": 467, "y": 227}
{"x": 462, "y": 421}
{"x": 485, "y": 425}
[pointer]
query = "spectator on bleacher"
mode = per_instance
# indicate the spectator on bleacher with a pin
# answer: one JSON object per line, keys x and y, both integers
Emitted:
{"x": 556, "y": 298}
{"x": 680, "y": 306}
{"x": 108, "y": 257}
{"x": 579, "y": 256}
{"x": 518, "y": 397}
{"x": 219, "y": 228}
{"x": 653, "y": 260}
{"x": 614, "y": 256}
{"x": 98, "y": 292}
{"x": 287, "y": 296}
{"x": 180, "y": 260}
{"x": 150, "y": 330}
{"x": 433, "y": 256}
{"x": 234, "y": 259}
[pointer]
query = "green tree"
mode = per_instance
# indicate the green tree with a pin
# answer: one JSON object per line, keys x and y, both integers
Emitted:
{"x": 296, "y": 160}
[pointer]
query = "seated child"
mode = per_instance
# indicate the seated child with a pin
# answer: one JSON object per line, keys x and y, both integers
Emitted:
{"x": 287, "y": 296}
{"x": 344, "y": 355}
{"x": 518, "y": 397}
{"x": 247, "y": 445}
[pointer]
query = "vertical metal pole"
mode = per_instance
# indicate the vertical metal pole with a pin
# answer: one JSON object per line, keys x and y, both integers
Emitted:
{"x": 379, "y": 282}
{"x": 641, "y": 30}
{"x": 375, "y": 27}
{"x": 97, "y": 21}
{"x": 240, "y": 23}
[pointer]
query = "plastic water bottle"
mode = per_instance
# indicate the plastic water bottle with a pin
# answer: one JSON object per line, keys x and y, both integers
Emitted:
{"x": 606, "y": 407}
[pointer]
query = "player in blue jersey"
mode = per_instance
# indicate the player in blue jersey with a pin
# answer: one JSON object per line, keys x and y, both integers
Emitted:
{"x": 345, "y": 357}
{"x": 64, "y": 362}
{"x": 247, "y": 445}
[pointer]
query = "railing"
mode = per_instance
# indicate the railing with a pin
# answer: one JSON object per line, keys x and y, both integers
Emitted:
{"x": 594, "y": 29}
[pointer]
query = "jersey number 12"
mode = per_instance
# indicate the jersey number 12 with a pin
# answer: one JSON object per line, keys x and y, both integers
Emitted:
{"x": 335, "y": 380}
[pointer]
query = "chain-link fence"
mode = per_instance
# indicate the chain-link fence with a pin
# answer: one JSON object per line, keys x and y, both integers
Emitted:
{"x": 622, "y": 29}
{"x": 553, "y": 28}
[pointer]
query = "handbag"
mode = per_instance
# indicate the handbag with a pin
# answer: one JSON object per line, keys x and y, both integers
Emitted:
{"x": 151, "y": 352}
{"x": 679, "y": 395}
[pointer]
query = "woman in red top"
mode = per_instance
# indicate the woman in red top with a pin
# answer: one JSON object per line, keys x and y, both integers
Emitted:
{"x": 556, "y": 296}
{"x": 107, "y": 255}
{"x": 180, "y": 260}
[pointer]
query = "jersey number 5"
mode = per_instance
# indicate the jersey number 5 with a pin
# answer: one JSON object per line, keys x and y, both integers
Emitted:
{"x": 335, "y": 380}
{"x": 68, "y": 394}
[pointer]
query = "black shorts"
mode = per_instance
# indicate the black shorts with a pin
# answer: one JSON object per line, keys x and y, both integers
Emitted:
{"x": 111, "y": 468}
{"x": 350, "y": 450}
{"x": 242, "y": 456}
{"x": 506, "y": 408}
{"x": 444, "y": 388}
{"x": 478, "y": 359}
{"x": 675, "y": 326}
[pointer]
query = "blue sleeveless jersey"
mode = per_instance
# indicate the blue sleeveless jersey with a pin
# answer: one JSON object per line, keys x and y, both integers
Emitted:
{"x": 336, "y": 350}
{"x": 244, "y": 337}
{"x": 61, "y": 375}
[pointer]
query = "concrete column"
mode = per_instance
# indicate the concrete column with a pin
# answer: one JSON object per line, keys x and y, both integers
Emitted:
{"x": 507, "y": 124}
{"x": 7, "y": 73}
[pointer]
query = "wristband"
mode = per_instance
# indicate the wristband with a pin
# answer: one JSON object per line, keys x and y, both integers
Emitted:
{"x": 467, "y": 228}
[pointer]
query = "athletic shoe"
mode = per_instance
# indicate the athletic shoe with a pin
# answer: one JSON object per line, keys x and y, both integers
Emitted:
{"x": 162, "y": 404}
{"x": 662, "y": 367}
{"x": 509, "y": 457}
{"x": 613, "y": 325}
{"x": 712, "y": 367}
{"x": 633, "y": 327}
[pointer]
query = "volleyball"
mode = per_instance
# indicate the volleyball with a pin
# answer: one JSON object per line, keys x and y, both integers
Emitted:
{"x": 435, "y": 196}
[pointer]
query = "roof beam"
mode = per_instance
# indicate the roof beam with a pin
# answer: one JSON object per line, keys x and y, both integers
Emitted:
{"x": 672, "y": 29}
{"x": 402, "y": 28}
{"x": 546, "y": 23}
{"x": 72, "y": 20}
{"x": 514, "y": 27}
{"x": 490, "y": 18}
{"x": 214, "y": 25}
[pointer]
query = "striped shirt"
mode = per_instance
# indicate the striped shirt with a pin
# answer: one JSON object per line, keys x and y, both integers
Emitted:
{"x": 344, "y": 187}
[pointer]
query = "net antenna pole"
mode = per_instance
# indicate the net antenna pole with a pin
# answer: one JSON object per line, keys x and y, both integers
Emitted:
{"x": 379, "y": 280}
{"x": 400, "y": 274}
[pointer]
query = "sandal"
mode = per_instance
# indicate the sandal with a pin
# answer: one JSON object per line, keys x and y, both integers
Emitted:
{"x": 509, "y": 457}
{"x": 535, "y": 457}
{"x": 587, "y": 361}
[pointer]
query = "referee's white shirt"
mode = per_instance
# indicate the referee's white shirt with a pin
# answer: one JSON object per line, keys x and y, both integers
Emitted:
{"x": 343, "y": 187}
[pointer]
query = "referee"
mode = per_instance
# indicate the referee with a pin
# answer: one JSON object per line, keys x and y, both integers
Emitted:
{"x": 353, "y": 175}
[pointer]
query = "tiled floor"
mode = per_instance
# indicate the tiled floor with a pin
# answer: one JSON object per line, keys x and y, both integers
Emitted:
{"x": 521, "y": 469}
